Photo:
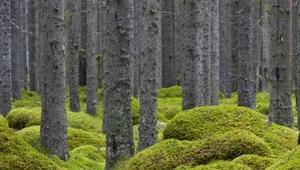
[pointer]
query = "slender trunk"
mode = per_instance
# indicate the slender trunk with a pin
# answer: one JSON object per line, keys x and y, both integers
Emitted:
{"x": 83, "y": 44}
{"x": 74, "y": 45}
{"x": 235, "y": 9}
{"x": 24, "y": 45}
{"x": 280, "y": 98}
{"x": 297, "y": 66}
{"x": 92, "y": 66}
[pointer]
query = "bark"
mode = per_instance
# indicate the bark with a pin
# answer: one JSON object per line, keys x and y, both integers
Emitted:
{"x": 53, "y": 132}
{"x": 99, "y": 44}
{"x": 24, "y": 45}
{"x": 73, "y": 59}
{"x": 235, "y": 8}
{"x": 280, "y": 110}
{"x": 148, "y": 98}
{"x": 178, "y": 20}
{"x": 83, "y": 44}
{"x": 297, "y": 66}
{"x": 256, "y": 46}
{"x": 6, "y": 75}
{"x": 137, "y": 46}
{"x": 214, "y": 53}
{"x": 167, "y": 19}
{"x": 205, "y": 59}
{"x": 192, "y": 93}
{"x": 92, "y": 66}
{"x": 38, "y": 47}
{"x": 246, "y": 59}
{"x": 116, "y": 89}
{"x": 294, "y": 33}
{"x": 265, "y": 48}
{"x": 15, "y": 46}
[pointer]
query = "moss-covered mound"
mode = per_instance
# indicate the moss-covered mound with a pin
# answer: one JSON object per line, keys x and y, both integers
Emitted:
{"x": 16, "y": 154}
{"x": 169, "y": 154}
{"x": 289, "y": 161}
{"x": 222, "y": 165}
{"x": 23, "y": 117}
{"x": 30, "y": 99}
{"x": 174, "y": 91}
{"x": 76, "y": 138}
{"x": 255, "y": 162}
{"x": 203, "y": 122}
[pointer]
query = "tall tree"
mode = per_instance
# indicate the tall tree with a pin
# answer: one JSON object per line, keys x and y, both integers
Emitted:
{"x": 167, "y": 19}
{"x": 83, "y": 44}
{"x": 53, "y": 132}
{"x": 235, "y": 9}
{"x": 73, "y": 59}
{"x": 214, "y": 53}
{"x": 297, "y": 59}
{"x": 148, "y": 96}
{"x": 246, "y": 59}
{"x": 192, "y": 94}
{"x": 265, "y": 48}
{"x": 6, "y": 82}
{"x": 92, "y": 66}
{"x": 24, "y": 45}
{"x": 116, "y": 89}
{"x": 280, "y": 97}
{"x": 15, "y": 45}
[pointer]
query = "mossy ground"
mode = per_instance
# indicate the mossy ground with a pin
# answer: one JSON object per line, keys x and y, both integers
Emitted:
{"x": 221, "y": 137}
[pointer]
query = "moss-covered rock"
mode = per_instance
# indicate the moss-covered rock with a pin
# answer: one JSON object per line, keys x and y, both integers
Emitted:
{"x": 222, "y": 165}
{"x": 203, "y": 122}
{"x": 23, "y": 117}
{"x": 76, "y": 138}
{"x": 255, "y": 162}
{"x": 289, "y": 161}
{"x": 169, "y": 154}
{"x": 174, "y": 91}
{"x": 16, "y": 154}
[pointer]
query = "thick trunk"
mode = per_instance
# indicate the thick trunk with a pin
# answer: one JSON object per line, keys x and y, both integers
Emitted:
{"x": 73, "y": 59}
{"x": 15, "y": 46}
{"x": 148, "y": 97}
{"x": 92, "y": 66}
{"x": 6, "y": 82}
{"x": 53, "y": 132}
{"x": 116, "y": 88}
{"x": 167, "y": 19}
{"x": 246, "y": 59}
{"x": 280, "y": 67}
{"x": 214, "y": 54}
{"x": 192, "y": 92}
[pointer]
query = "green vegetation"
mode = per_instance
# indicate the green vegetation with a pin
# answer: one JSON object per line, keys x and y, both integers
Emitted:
{"x": 222, "y": 165}
{"x": 255, "y": 162}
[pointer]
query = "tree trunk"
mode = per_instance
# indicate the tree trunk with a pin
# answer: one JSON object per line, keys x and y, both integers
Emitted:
{"x": 31, "y": 45}
{"x": 148, "y": 98}
{"x": 92, "y": 66}
{"x": 53, "y": 132}
{"x": 6, "y": 79}
{"x": 265, "y": 48}
{"x": 280, "y": 98}
{"x": 192, "y": 92}
{"x": 83, "y": 44}
{"x": 246, "y": 59}
{"x": 15, "y": 46}
{"x": 73, "y": 59}
{"x": 297, "y": 59}
{"x": 295, "y": 39}
{"x": 235, "y": 9}
{"x": 167, "y": 19}
{"x": 116, "y": 89}
{"x": 24, "y": 45}
{"x": 214, "y": 53}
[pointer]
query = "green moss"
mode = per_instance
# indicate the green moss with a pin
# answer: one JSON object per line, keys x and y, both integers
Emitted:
{"x": 174, "y": 91}
{"x": 30, "y": 99}
{"x": 22, "y": 117}
{"x": 135, "y": 109}
{"x": 16, "y": 154}
{"x": 289, "y": 161}
{"x": 254, "y": 161}
{"x": 169, "y": 154}
{"x": 203, "y": 122}
{"x": 169, "y": 107}
{"x": 222, "y": 165}
{"x": 76, "y": 138}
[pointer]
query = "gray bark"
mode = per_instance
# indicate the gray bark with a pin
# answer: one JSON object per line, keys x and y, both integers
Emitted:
{"x": 235, "y": 9}
{"x": 15, "y": 46}
{"x": 192, "y": 92}
{"x": 148, "y": 97}
{"x": 294, "y": 34}
{"x": 24, "y": 45}
{"x": 297, "y": 66}
{"x": 205, "y": 58}
{"x": 256, "y": 47}
{"x": 53, "y": 132}
{"x": 214, "y": 53}
{"x": 116, "y": 88}
{"x": 280, "y": 110}
{"x": 167, "y": 19}
{"x": 83, "y": 44}
{"x": 73, "y": 59}
{"x": 246, "y": 59}
{"x": 265, "y": 48}
{"x": 92, "y": 66}
{"x": 178, "y": 20}
{"x": 6, "y": 79}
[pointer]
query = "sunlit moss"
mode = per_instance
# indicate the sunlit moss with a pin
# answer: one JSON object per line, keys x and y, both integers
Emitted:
{"x": 254, "y": 161}
{"x": 289, "y": 161}
{"x": 222, "y": 165}
{"x": 174, "y": 91}
{"x": 30, "y": 99}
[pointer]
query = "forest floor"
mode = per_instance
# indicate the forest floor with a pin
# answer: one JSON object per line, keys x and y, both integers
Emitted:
{"x": 221, "y": 137}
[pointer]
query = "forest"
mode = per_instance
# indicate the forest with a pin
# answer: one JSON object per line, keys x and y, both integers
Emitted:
{"x": 149, "y": 84}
